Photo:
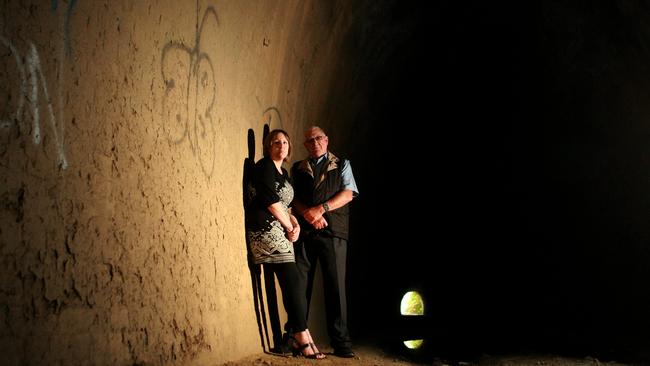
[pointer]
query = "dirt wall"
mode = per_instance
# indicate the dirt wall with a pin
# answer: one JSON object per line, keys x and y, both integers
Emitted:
{"x": 123, "y": 132}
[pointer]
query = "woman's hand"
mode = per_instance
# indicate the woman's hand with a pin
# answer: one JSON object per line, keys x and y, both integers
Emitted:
{"x": 294, "y": 234}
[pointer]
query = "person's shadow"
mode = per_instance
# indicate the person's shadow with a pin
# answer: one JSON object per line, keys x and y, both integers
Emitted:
{"x": 256, "y": 269}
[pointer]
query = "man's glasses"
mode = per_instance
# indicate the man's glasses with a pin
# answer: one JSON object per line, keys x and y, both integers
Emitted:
{"x": 315, "y": 139}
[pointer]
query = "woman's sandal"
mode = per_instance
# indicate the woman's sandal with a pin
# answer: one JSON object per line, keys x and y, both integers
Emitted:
{"x": 298, "y": 351}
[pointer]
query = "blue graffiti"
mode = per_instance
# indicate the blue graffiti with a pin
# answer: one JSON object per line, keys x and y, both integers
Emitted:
{"x": 66, "y": 23}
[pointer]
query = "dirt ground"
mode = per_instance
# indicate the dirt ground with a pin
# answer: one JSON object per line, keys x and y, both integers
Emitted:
{"x": 372, "y": 356}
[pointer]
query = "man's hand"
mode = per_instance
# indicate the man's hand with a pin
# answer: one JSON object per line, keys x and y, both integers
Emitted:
{"x": 321, "y": 223}
{"x": 313, "y": 214}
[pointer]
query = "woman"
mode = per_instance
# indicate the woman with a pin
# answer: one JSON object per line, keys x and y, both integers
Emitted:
{"x": 271, "y": 231}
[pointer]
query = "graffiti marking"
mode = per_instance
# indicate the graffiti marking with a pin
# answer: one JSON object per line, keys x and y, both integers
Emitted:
{"x": 188, "y": 72}
{"x": 31, "y": 77}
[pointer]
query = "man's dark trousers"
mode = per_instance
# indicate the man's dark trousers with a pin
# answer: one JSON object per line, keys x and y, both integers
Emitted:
{"x": 331, "y": 251}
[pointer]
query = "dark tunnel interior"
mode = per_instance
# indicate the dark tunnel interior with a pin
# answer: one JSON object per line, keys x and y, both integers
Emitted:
{"x": 501, "y": 150}
{"x": 504, "y": 175}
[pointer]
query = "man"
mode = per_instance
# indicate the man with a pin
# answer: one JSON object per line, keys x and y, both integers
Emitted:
{"x": 324, "y": 185}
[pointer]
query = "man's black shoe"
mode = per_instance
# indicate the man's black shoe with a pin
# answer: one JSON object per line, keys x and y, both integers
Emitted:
{"x": 345, "y": 352}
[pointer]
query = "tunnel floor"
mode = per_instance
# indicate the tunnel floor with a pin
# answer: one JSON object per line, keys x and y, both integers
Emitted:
{"x": 371, "y": 355}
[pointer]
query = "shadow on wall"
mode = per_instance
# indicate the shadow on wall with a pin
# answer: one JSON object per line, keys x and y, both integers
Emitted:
{"x": 268, "y": 287}
{"x": 256, "y": 269}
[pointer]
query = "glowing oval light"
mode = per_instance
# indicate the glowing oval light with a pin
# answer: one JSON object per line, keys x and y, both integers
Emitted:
{"x": 413, "y": 344}
{"x": 412, "y": 304}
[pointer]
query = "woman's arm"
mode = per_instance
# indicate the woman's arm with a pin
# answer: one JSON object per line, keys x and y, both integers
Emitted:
{"x": 278, "y": 211}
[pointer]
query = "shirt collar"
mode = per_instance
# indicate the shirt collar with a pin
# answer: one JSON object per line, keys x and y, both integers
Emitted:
{"x": 319, "y": 159}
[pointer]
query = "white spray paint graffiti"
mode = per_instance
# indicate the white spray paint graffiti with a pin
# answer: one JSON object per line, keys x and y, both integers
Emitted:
{"x": 29, "y": 89}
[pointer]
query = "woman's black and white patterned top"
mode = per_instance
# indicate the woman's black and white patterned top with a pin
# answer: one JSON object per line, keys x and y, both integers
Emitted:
{"x": 266, "y": 237}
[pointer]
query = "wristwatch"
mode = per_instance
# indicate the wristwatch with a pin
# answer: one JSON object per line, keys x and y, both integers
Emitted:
{"x": 326, "y": 207}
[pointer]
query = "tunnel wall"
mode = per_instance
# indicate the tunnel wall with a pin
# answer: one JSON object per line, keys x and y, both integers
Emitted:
{"x": 123, "y": 130}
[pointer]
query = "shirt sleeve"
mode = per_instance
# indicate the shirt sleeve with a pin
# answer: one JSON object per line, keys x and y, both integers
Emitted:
{"x": 348, "y": 178}
{"x": 264, "y": 182}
